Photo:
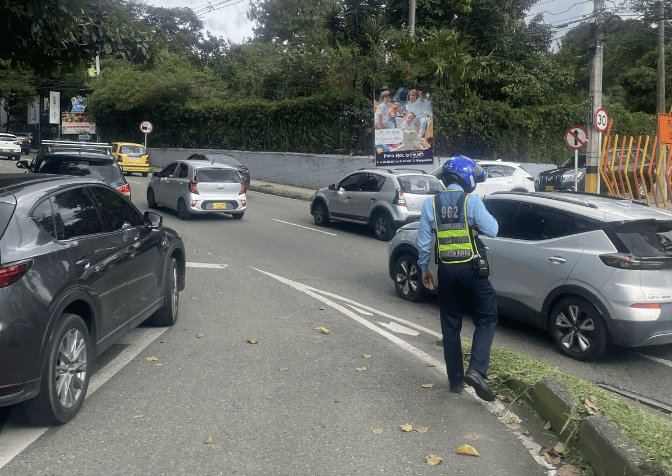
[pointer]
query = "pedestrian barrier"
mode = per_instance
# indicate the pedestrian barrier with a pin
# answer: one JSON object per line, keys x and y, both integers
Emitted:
{"x": 636, "y": 172}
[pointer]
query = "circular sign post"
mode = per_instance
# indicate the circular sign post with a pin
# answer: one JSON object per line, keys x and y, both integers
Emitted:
{"x": 576, "y": 138}
{"x": 601, "y": 121}
{"x": 146, "y": 127}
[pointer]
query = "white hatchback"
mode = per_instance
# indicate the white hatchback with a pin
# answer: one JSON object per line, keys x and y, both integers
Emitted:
{"x": 10, "y": 146}
{"x": 502, "y": 177}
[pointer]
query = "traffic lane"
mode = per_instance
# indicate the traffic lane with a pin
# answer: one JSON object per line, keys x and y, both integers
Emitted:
{"x": 293, "y": 403}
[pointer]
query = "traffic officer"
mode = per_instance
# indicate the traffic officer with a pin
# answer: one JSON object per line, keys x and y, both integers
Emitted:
{"x": 449, "y": 220}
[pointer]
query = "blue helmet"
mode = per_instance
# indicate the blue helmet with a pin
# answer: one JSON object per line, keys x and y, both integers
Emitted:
{"x": 463, "y": 171}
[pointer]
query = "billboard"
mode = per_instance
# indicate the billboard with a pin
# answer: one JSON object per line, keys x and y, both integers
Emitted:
{"x": 54, "y": 107}
{"x": 403, "y": 127}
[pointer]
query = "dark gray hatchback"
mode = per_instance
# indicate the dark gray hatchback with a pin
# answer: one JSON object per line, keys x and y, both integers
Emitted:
{"x": 80, "y": 266}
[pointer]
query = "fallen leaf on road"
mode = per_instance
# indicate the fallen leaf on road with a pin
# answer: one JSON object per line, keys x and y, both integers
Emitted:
{"x": 366, "y": 356}
{"x": 377, "y": 431}
{"x": 284, "y": 369}
{"x": 551, "y": 459}
{"x": 431, "y": 364}
{"x": 467, "y": 450}
{"x": 427, "y": 385}
{"x": 511, "y": 420}
{"x": 151, "y": 359}
{"x": 406, "y": 427}
{"x": 194, "y": 298}
{"x": 137, "y": 416}
{"x": 198, "y": 336}
{"x": 360, "y": 369}
{"x": 504, "y": 398}
{"x": 592, "y": 409}
{"x": 422, "y": 429}
{"x": 547, "y": 426}
{"x": 569, "y": 470}
{"x": 433, "y": 460}
{"x": 208, "y": 440}
{"x": 560, "y": 448}
{"x": 323, "y": 330}
{"x": 251, "y": 340}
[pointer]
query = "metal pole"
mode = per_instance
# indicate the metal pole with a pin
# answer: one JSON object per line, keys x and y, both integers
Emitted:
{"x": 411, "y": 19}
{"x": 593, "y": 150}
{"x": 661, "y": 57}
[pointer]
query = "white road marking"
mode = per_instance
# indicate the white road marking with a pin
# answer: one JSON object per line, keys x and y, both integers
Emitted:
{"x": 361, "y": 311}
{"x": 14, "y": 439}
{"x": 655, "y": 359}
{"x": 493, "y": 407}
{"x": 137, "y": 183}
{"x": 306, "y": 227}
{"x": 205, "y": 265}
{"x": 399, "y": 329}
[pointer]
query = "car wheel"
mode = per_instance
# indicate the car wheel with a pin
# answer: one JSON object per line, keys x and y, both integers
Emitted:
{"x": 320, "y": 214}
{"x": 238, "y": 216}
{"x": 144, "y": 174}
{"x": 408, "y": 278}
{"x": 65, "y": 376}
{"x": 17, "y": 157}
{"x": 182, "y": 211}
{"x": 578, "y": 330}
{"x": 151, "y": 201}
{"x": 167, "y": 315}
{"x": 382, "y": 226}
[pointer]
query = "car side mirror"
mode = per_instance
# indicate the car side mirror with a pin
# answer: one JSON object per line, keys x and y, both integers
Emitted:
{"x": 332, "y": 186}
{"x": 22, "y": 164}
{"x": 153, "y": 219}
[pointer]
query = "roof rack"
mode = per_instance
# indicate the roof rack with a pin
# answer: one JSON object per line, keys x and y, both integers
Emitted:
{"x": 78, "y": 145}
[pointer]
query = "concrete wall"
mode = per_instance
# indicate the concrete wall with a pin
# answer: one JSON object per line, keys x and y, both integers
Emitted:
{"x": 304, "y": 170}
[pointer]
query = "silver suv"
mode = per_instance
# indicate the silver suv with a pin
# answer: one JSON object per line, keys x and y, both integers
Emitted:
{"x": 589, "y": 269}
{"x": 385, "y": 199}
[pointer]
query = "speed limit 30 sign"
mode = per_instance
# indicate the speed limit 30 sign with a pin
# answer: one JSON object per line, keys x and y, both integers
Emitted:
{"x": 601, "y": 120}
{"x": 576, "y": 137}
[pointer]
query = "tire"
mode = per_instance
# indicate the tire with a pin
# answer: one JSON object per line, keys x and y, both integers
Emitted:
{"x": 144, "y": 174}
{"x": 182, "y": 211}
{"x": 408, "y": 278}
{"x": 167, "y": 315}
{"x": 151, "y": 201}
{"x": 238, "y": 216}
{"x": 321, "y": 214}
{"x": 578, "y": 330}
{"x": 65, "y": 374}
{"x": 383, "y": 229}
{"x": 17, "y": 157}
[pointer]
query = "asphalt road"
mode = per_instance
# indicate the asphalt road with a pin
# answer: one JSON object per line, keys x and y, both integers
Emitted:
{"x": 298, "y": 401}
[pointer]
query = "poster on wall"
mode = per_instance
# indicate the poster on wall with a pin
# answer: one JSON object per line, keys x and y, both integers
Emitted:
{"x": 403, "y": 127}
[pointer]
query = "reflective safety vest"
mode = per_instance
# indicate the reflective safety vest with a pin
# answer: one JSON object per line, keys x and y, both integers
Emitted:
{"x": 454, "y": 240}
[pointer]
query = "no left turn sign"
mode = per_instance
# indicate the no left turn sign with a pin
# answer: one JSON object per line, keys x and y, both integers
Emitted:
{"x": 576, "y": 137}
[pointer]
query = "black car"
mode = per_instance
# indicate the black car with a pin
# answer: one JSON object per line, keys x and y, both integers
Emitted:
{"x": 78, "y": 159}
{"x": 226, "y": 159}
{"x": 80, "y": 266}
{"x": 25, "y": 143}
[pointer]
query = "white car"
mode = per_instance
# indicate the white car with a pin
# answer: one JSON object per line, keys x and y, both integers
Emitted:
{"x": 10, "y": 146}
{"x": 502, "y": 177}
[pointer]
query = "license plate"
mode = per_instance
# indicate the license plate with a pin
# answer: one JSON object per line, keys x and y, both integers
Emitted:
{"x": 219, "y": 205}
{"x": 550, "y": 188}
{"x": 6, "y": 150}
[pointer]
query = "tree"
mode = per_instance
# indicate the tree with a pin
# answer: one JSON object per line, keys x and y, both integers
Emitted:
{"x": 293, "y": 22}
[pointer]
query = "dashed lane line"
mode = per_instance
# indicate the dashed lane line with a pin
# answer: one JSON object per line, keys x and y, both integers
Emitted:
{"x": 306, "y": 227}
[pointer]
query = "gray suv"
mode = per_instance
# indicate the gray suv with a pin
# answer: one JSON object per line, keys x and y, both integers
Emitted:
{"x": 385, "y": 199}
{"x": 589, "y": 269}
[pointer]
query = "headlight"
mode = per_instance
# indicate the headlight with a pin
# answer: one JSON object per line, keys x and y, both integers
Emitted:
{"x": 569, "y": 175}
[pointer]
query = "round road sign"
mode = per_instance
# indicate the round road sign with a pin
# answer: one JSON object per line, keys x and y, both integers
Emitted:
{"x": 601, "y": 120}
{"x": 576, "y": 137}
{"x": 146, "y": 127}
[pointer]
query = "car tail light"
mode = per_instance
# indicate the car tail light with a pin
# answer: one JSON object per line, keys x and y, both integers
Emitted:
{"x": 243, "y": 188}
{"x": 125, "y": 189}
{"x": 646, "y": 305}
{"x": 399, "y": 199}
{"x": 623, "y": 261}
{"x": 12, "y": 273}
{"x": 11, "y": 389}
{"x": 192, "y": 187}
{"x": 531, "y": 179}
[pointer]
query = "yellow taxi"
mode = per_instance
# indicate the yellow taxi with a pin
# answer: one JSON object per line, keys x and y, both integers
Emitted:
{"x": 131, "y": 157}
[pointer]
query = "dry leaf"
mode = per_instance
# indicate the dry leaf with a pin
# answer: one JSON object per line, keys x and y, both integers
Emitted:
{"x": 198, "y": 336}
{"x": 547, "y": 426}
{"x": 137, "y": 416}
{"x": 433, "y": 460}
{"x": 467, "y": 450}
{"x": 323, "y": 330}
{"x": 504, "y": 398}
{"x": 377, "y": 431}
{"x": 592, "y": 409}
{"x": 360, "y": 369}
{"x": 251, "y": 340}
{"x": 551, "y": 459}
{"x": 593, "y": 398}
{"x": 526, "y": 432}
{"x": 151, "y": 359}
{"x": 208, "y": 440}
{"x": 569, "y": 470}
{"x": 284, "y": 369}
{"x": 431, "y": 364}
{"x": 406, "y": 427}
{"x": 366, "y": 356}
{"x": 422, "y": 429}
{"x": 511, "y": 420}
{"x": 427, "y": 385}
{"x": 560, "y": 448}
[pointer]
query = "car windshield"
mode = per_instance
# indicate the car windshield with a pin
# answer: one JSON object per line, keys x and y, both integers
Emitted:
{"x": 570, "y": 162}
{"x": 646, "y": 238}
{"x": 132, "y": 150}
{"x": 420, "y": 184}
{"x": 104, "y": 170}
{"x": 218, "y": 175}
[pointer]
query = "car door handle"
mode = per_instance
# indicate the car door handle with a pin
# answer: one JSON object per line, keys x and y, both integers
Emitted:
{"x": 373, "y": 199}
{"x": 557, "y": 259}
{"x": 84, "y": 263}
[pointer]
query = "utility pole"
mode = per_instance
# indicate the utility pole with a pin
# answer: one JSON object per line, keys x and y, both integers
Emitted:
{"x": 411, "y": 19}
{"x": 594, "y": 146}
{"x": 660, "y": 107}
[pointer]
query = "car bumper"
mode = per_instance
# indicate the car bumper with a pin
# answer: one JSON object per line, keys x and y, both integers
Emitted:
{"x": 134, "y": 168}
{"x": 639, "y": 332}
{"x": 401, "y": 222}
{"x": 16, "y": 393}
{"x": 214, "y": 205}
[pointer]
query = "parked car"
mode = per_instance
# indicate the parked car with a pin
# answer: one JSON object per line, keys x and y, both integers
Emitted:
{"x": 25, "y": 140}
{"x": 80, "y": 267}
{"x": 226, "y": 159}
{"x": 502, "y": 177}
{"x": 385, "y": 199}
{"x": 79, "y": 159}
{"x": 194, "y": 187}
{"x": 589, "y": 269}
{"x": 131, "y": 157}
{"x": 10, "y": 146}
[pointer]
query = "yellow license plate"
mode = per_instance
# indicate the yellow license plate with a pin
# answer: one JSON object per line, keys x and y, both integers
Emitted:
{"x": 550, "y": 188}
{"x": 219, "y": 206}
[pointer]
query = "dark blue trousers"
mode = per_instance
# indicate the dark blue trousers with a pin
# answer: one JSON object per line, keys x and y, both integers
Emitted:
{"x": 460, "y": 292}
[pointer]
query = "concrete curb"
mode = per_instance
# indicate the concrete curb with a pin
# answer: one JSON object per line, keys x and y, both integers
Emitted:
{"x": 605, "y": 447}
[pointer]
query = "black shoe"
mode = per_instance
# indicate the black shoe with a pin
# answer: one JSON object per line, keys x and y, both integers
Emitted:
{"x": 476, "y": 380}
{"x": 456, "y": 388}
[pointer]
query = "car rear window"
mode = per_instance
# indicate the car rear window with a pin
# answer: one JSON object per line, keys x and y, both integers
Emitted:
{"x": 132, "y": 150}
{"x": 6, "y": 210}
{"x": 420, "y": 184}
{"x": 218, "y": 175}
{"x": 645, "y": 238}
{"x": 104, "y": 170}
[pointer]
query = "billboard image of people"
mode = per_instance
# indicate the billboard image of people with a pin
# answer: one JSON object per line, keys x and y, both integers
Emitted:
{"x": 403, "y": 127}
